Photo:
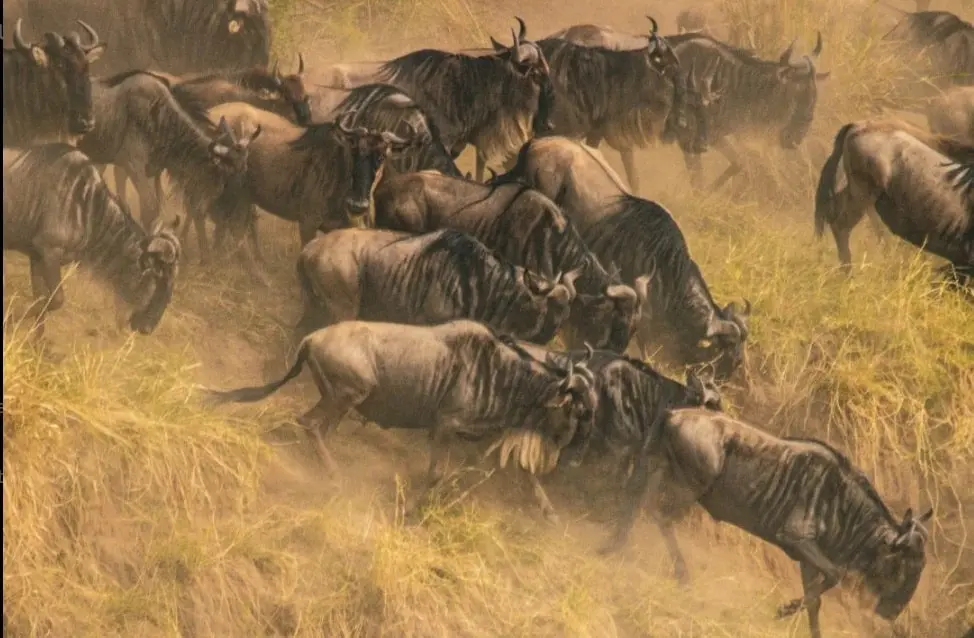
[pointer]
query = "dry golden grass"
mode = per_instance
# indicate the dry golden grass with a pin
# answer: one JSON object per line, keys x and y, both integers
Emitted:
{"x": 130, "y": 510}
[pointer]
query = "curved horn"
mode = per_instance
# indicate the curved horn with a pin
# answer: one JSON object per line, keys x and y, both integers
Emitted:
{"x": 516, "y": 49}
{"x": 655, "y": 28}
{"x": 818, "y": 45}
{"x": 569, "y": 373}
{"x": 256, "y": 133}
{"x": 747, "y": 308}
{"x": 493, "y": 173}
{"x": 19, "y": 41}
{"x": 224, "y": 127}
{"x": 276, "y": 72}
{"x": 92, "y": 34}
{"x": 523, "y": 30}
{"x": 569, "y": 281}
{"x": 300, "y": 63}
{"x": 589, "y": 351}
{"x": 786, "y": 56}
{"x": 393, "y": 139}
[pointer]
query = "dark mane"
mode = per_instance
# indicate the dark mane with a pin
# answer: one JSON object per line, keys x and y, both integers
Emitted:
{"x": 315, "y": 136}
{"x": 742, "y": 53}
{"x": 114, "y": 80}
{"x": 254, "y": 79}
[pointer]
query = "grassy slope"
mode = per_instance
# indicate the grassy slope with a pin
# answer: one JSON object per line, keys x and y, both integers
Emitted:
{"x": 131, "y": 510}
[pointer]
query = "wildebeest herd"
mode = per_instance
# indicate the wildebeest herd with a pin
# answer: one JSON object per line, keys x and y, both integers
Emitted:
{"x": 430, "y": 298}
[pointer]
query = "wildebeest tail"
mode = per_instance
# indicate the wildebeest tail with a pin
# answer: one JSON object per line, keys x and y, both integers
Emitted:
{"x": 825, "y": 194}
{"x": 252, "y": 394}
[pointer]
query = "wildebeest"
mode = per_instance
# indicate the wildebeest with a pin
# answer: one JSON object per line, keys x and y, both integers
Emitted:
{"x": 526, "y": 229}
{"x": 922, "y": 187}
{"x": 947, "y": 41}
{"x": 457, "y": 379}
{"x": 801, "y": 495}
{"x": 174, "y": 36}
{"x": 47, "y": 88}
{"x": 494, "y": 102}
{"x": 755, "y": 95}
{"x": 382, "y": 275}
{"x": 320, "y": 176}
{"x": 952, "y": 114}
{"x": 607, "y": 89}
{"x": 632, "y": 399}
{"x": 143, "y": 128}
{"x": 641, "y": 238}
{"x": 57, "y": 209}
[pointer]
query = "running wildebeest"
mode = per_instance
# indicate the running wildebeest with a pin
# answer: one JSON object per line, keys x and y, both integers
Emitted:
{"x": 383, "y": 275}
{"x": 494, "y": 102}
{"x": 952, "y": 114}
{"x": 628, "y": 96}
{"x": 173, "y": 36}
{"x": 632, "y": 399}
{"x": 143, "y": 128}
{"x": 526, "y": 229}
{"x": 320, "y": 176}
{"x": 755, "y": 95}
{"x": 641, "y": 238}
{"x": 457, "y": 379}
{"x": 47, "y": 88}
{"x": 921, "y": 185}
{"x": 57, "y": 209}
{"x": 946, "y": 40}
{"x": 801, "y": 495}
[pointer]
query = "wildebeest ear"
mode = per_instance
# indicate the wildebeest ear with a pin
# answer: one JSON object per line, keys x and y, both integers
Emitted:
{"x": 40, "y": 57}
{"x": 497, "y": 45}
{"x": 823, "y": 76}
{"x": 926, "y": 516}
{"x": 95, "y": 52}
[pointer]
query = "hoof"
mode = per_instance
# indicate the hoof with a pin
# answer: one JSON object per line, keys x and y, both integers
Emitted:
{"x": 788, "y": 609}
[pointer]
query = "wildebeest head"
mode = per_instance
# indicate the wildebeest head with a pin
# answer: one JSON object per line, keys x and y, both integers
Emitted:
{"x": 701, "y": 98}
{"x": 728, "y": 332}
{"x": 291, "y": 89}
{"x": 608, "y": 320}
{"x": 549, "y": 298}
{"x": 241, "y": 13}
{"x": 801, "y": 93}
{"x": 528, "y": 61}
{"x": 368, "y": 151}
{"x": 896, "y": 575}
{"x": 573, "y": 401}
{"x": 230, "y": 153}
{"x": 67, "y": 60}
{"x": 659, "y": 52}
{"x": 159, "y": 263}
{"x": 702, "y": 390}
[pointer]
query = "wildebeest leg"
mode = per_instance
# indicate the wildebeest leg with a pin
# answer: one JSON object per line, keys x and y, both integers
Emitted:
{"x": 45, "y": 275}
{"x": 439, "y": 458}
{"x": 842, "y": 235}
{"x": 316, "y": 422}
{"x": 149, "y": 208}
{"x": 547, "y": 509}
{"x": 199, "y": 225}
{"x": 694, "y": 164}
{"x": 673, "y": 547}
{"x": 629, "y": 163}
{"x": 818, "y": 576}
{"x": 635, "y": 489}
{"x": 879, "y": 229}
{"x": 121, "y": 185}
{"x": 728, "y": 151}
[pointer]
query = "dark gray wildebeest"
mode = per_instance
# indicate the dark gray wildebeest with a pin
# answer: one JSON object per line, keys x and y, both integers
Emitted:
{"x": 641, "y": 238}
{"x": 629, "y": 96}
{"x": 800, "y": 495}
{"x": 632, "y": 400}
{"x": 320, "y": 177}
{"x": 494, "y": 102}
{"x": 383, "y": 275}
{"x": 173, "y": 36}
{"x": 945, "y": 39}
{"x": 47, "y": 88}
{"x": 457, "y": 379}
{"x": 921, "y": 185}
{"x": 952, "y": 114}
{"x": 755, "y": 96}
{"x": 142, "y": 127}
{"x": 57, "y": 209}
{"x": 384, "y": 108}
{"x": 525, "y": 228}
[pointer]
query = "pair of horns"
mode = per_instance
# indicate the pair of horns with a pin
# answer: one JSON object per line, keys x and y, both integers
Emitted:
{"x": 56, "y": 40}
{"x": 786, "y": 56}
{"x": 277, "y": 69}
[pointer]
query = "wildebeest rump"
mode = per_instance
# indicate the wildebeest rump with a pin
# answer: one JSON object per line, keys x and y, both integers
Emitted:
{"x": 919, "y": 183}
{"x": 801, "y": 495}
{"x": 320, "y": 177}
{"x": 47, "y": 88}
{"x": 947, "y": 41}
{"x": 525, "y": 228}
{"x": 57, "y": 209}
{"x": 755, "y": 95}
{"x": 174, "y": 36}
{"x": 382, "y": 275}
{"x": 641, "y": 238}
{"x": 455, "y": 379}
{"x": 494, "y": 102}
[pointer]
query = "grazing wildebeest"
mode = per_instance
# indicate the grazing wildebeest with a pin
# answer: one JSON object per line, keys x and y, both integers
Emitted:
{"x": 801, "y": 495}
{"x": 142, "y": 127}
{"x": 320, "y": 176}
{"x": 47, "y": 88}
{"x": 494, "y": 102}
{"x": 755, "y": 95}
{"x": 641, "y": 238}
{"x": 174, "y": 36}
{"x": 632, "y": 399}
{"x": 383, "y": 275}
{"x": 947, "y": 41}
{"x": 57, "y": 209}
{"x": 526, "y": 229}
{"x": 457, "y": 379}
{"x": 952, "y": 114}
{"x": 919, "y": 183}
{"x": 628, "y": 96}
